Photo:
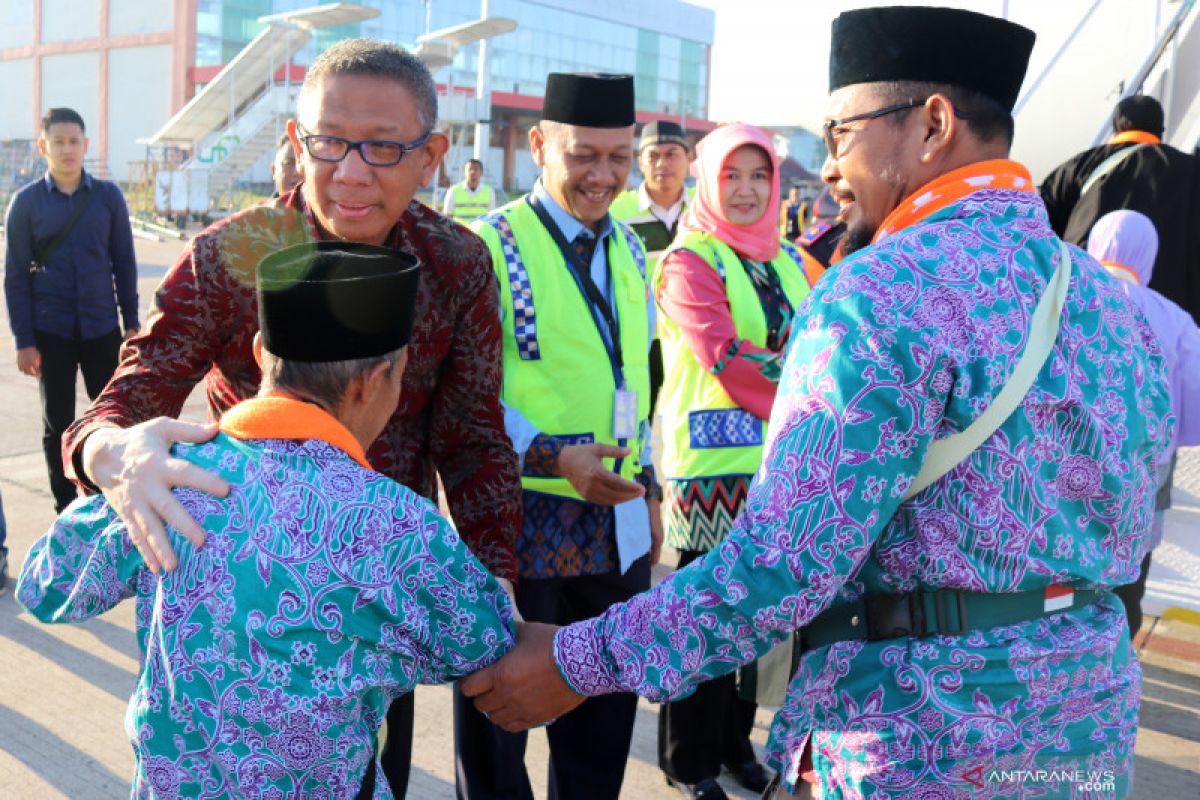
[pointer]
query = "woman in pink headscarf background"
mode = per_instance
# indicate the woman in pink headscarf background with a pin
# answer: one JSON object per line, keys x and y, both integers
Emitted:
{"x": 721, "y": 371}
{"x": 1126, "y": 243}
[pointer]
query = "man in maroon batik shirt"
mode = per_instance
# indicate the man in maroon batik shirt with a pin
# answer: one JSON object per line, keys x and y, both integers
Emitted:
{"x": 365, "y": 142}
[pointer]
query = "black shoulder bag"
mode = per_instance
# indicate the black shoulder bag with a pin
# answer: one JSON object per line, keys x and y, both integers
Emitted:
{"x": 42, "y": 254}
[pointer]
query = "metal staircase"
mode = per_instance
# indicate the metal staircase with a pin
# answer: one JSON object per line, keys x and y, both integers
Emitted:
{"x": 242, "y": 143}
{"x": 1171, "y": 74}
{"x": 1115, "y": 48}
{"x": 237, "y": 117}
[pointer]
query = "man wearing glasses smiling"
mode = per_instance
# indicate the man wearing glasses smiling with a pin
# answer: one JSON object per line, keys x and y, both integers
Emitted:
{"x": 960, "y": 466}
{"x": 991, "y": 120}
{"x": 365, "y": 141}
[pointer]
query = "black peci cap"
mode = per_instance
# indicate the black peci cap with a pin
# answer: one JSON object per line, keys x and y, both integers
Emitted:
{"x": 935, "y": 45}
{"x": 590, "y": 100}
{"x": 663, "y": 132}
{"x": 336, "y": 301}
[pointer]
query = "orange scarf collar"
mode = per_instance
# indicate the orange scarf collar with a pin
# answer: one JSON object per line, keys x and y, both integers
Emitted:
{"x": 1141, "y": 137}
{"x": 1122, "y": 272}
{"x": 279, "y": 417}
{"x": 948, "y": 189}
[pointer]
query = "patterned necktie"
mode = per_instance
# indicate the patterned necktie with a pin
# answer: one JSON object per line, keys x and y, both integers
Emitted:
{"x": 584, "y": 246}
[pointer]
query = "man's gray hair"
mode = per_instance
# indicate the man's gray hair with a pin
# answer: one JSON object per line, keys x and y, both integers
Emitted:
{"x": 383, "y": 59}
{"x": 324, "y": 382}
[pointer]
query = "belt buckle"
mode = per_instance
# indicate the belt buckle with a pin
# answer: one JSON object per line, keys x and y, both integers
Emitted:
{"x": 939, "y": 603}
{"x": 893, "y": 616}
{"x": 35, "y": 268}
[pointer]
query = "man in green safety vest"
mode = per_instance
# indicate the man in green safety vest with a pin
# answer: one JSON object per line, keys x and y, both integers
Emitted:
{"x": 471, "y": 198}
{"x": 653, "y": 209}
{"x": 577, "y": 321}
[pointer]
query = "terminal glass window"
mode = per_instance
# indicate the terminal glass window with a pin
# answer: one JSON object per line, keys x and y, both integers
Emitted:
{"x": 669, "y": 71}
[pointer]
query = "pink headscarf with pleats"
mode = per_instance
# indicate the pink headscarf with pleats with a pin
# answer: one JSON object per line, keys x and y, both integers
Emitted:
{"x": 758, "y": 241}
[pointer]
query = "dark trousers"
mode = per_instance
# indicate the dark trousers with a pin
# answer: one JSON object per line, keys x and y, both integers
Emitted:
{"x": 61, "y": 359}
{"x": 709, "y": 727}
{"x": 1131, "y": 595}
{"x": 589, "y": 746}
{"x": 657, "y": 373}
{"x": 396, "y": 757}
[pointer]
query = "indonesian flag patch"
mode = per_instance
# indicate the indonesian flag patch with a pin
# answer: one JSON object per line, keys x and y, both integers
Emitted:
{"x": 1057, "y": 598}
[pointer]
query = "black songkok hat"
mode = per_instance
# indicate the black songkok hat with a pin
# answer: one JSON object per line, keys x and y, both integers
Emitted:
{"x": 590, "y": 100}
{"x": 935, "y": 45}
{"x": 663, "y": 132}
{"x": 336, "y": 301}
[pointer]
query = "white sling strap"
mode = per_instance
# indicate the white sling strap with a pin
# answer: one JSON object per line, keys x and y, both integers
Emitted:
{"x": 946, "y": 454}
{"x": 1107, "y": 166}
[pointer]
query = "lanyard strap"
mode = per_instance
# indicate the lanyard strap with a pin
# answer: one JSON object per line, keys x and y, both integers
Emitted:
{"x": 583, "y": 278}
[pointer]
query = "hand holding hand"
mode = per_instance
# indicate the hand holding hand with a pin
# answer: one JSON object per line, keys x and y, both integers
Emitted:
{"x": 581, "y": 464}
{"x": 130, "y": 333}
{"x": 136, "y": 472}
{"x": 29, "y": 362}
{"x": 524, "y": 688}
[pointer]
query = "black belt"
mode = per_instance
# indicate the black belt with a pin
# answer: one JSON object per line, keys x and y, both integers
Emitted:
{"x": 932, "y": 612}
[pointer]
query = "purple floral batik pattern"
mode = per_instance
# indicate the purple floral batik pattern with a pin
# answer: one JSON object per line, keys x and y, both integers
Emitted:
{"x": 324, "y": 591}
{"x": 902, "y": 343}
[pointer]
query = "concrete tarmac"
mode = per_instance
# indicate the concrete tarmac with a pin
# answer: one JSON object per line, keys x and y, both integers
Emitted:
{"x": 64, "y": 688}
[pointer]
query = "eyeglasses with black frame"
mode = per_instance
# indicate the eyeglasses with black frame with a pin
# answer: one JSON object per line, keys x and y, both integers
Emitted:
{"x": 831, "y": 145}
{"x": 376, "y": 152}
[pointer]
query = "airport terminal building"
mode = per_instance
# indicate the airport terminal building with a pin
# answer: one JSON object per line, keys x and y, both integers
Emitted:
{"x": 130, "y": 67}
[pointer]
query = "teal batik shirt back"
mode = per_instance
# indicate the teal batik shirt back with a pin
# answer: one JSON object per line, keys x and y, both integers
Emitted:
{"x": 901, "y": 343}
{"x": 324, "y": 591}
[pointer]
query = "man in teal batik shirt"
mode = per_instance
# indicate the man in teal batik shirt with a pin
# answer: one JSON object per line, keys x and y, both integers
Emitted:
{"x": 960, "y": 630}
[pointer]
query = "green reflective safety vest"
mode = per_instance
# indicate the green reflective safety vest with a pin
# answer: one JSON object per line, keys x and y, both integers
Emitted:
{"x": 628, "y": 203}
{"x": 654, "y": 234}
{"x": 625, "y": 206}
{"x": 705, "y": 434}
{"x": 467, "y": 206}
{"x": 557, "y": 371}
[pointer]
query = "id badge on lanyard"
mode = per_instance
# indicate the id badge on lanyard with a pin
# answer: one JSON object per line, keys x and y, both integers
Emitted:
{"x": 625, "y": 416}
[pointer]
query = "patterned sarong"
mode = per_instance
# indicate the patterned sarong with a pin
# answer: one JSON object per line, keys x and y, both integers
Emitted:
{"x": 699, "y": 512}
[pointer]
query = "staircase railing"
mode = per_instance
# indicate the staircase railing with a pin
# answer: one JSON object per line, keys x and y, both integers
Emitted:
{"x": 1135, "y": 84}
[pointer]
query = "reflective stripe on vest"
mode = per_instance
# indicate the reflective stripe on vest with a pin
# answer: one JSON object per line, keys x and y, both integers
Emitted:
{"x": 705, "y": 434}
{"x": 556, "y": 367}
{"x": 469, "y": 206}
{"x": 635, "y": 246}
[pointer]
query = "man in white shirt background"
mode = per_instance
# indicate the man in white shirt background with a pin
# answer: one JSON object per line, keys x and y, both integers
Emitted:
{"x": 653, "y": 209}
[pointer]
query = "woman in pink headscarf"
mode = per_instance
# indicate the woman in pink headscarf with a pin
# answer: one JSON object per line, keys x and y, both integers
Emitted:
{"x": 727, "y": 291}
{"x": 1126, "y": 243}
